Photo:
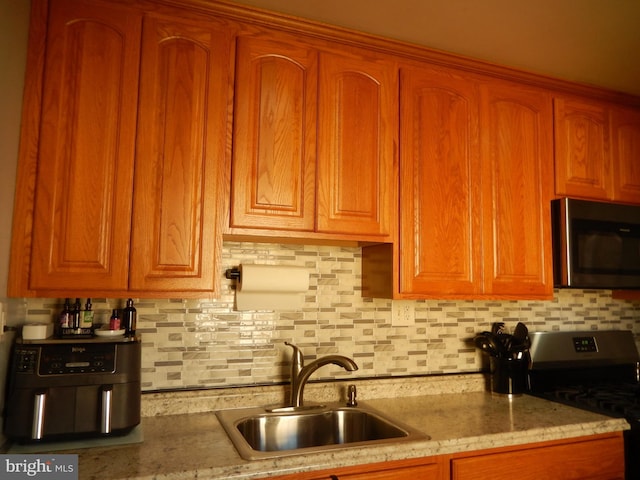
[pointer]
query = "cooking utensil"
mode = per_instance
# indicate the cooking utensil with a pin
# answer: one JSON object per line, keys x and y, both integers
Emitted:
{"x": 487, "y": 344}
{"x": 520, "y": 334}
{"x": 497, "y": 328}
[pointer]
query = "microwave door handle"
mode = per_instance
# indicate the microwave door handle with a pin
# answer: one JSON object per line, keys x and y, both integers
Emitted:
{"x": 37, "y": 426}
{"x": 107, "y": 404}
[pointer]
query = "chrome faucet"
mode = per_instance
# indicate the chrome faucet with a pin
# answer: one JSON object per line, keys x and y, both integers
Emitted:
{"x": 300, "y": 373}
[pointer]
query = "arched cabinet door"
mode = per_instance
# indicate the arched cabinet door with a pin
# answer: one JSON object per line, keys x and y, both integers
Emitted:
{"x": 625, "y": 125}
{"x": 440, "y": 184}
{"x": 582, "y": 148}
{"x": 180, "y": 155}
{"x": 274, "y": 138}
{"x": 517, "y": 153}
{"x": 357, "y": 138}
{"x": 86, "y": 146}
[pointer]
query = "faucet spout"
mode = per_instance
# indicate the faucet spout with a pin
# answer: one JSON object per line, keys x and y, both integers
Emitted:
{"x": 300, "y": 373}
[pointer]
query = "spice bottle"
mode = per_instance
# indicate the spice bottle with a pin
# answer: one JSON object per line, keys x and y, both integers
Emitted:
{"x": 129, "y": 319}
{"x": 114, "y": 321}
{"x": 87, "y": 315}
{"x": 75, "y": 315}
{"x": 65, "y": 315}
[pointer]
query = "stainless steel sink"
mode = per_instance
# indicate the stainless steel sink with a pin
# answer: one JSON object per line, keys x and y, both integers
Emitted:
{"x": 257, "y": 433}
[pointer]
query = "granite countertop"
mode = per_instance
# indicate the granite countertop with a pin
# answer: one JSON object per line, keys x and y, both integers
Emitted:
{"x": 194, "y": 445}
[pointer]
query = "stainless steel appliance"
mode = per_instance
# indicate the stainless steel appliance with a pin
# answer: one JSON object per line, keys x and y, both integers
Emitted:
{"x": 595, "y": 245}
{"x": 592, "y": 370}
{"x": 71, "y": 389}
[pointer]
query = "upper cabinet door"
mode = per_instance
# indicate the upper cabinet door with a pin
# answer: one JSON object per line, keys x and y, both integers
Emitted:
{"x": 517, "y": 153}
{"x": 182, "y": 130}
{"x": 357, "y": 138}
{"x": 625, "y": 125}
{"x": 582, "y": 156}
{"x": 274, "y": 137}
{"x": 86, "y": 147}
{"x": 440, "y": 236}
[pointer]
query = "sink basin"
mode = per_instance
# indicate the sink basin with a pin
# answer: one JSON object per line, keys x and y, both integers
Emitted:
{"x": 257, "y": 433}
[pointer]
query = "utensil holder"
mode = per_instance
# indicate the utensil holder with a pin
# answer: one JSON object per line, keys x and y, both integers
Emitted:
{"x": 508, "y": 375}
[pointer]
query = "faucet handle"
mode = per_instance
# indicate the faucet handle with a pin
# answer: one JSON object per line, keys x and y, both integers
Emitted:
{"x": 351, "y": 396}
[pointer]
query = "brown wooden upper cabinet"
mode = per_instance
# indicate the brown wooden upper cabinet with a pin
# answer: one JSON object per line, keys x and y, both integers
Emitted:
{"x": 475, "y": 170}
{"x": 625, "y": 128}
{"x": 83, "y": 159}
{"x": 517, "y": 152}
{"x": 149, "y": 131}
{"x": 180, "y": 155}
{"x": 121, "y": 188}
{"x": 440, "y": 183}
{"x": 597, "y": 150}
{"x": 314, "y": 140}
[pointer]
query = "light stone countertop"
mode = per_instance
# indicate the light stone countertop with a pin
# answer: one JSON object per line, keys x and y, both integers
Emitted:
{"x": 180, "y": 443}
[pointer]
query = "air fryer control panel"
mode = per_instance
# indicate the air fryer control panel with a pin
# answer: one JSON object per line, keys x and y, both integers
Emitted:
{"x": 65, "y": 359}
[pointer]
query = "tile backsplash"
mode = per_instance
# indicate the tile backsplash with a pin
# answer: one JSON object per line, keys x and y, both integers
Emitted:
{"x": 205, "y": 343}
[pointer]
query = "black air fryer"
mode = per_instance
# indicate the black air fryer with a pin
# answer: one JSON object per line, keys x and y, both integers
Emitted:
{"x": 70, "y": 389}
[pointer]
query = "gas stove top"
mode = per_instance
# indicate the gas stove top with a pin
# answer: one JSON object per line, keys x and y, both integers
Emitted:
{"x": 596, "y": 371}
{"x": 614, "y": 398}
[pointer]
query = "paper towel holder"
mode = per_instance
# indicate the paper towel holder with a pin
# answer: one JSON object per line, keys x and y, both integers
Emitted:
{"x": 233, "y": 273}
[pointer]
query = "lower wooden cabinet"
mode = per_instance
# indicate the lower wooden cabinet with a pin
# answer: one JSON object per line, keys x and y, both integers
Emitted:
{"x": 429, "y": 468}
{"x": 589, "y": 458}
{"x": 596, "y": 457}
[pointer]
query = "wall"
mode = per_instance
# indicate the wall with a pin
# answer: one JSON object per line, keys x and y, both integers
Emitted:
{"x": 14, "y": 21}
{"x": 589, "y": 41}
{"x": 204, "y": 343}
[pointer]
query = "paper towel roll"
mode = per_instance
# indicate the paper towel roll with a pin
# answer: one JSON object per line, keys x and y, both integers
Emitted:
{"x": 271, "y": 287}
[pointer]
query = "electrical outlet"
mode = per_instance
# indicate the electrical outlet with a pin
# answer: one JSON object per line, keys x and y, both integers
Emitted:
{"x": 402, "y": 313}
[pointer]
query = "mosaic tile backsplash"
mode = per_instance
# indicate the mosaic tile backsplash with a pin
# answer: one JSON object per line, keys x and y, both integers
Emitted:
{"x": 205, "y": 343}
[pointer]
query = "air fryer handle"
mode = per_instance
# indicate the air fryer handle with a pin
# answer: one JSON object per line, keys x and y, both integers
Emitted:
{"x": 107, "y": 405}
{"x": 37, "y": 426}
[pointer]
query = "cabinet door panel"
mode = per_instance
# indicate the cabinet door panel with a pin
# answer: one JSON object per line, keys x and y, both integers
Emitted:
{"x": 273, "y": 171}
{"x": 357, "y": 138}
{"x": 427, "y": 468}
{"x": 423, "y": 472}
{"x": 587, "y": 460}
{"x": 581, "y": 131}
{"x": 626, "y": 157}
{"x": 517, "y": 153}
{"x": 440, "y": 184}
{"x": 83, "y": 190}
{"x": 180, "y": 149}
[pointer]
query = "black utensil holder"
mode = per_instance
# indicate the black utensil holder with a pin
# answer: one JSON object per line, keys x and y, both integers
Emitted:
{"x": 508, "y": 375}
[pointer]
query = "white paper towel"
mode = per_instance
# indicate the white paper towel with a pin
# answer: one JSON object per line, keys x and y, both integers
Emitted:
{"x": 271, "y": 287}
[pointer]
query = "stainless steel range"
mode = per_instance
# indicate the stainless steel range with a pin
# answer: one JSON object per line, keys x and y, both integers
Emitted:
{"x": 592, "y": 370}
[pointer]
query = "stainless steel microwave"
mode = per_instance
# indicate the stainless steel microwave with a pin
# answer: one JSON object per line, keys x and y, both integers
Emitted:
{"x": 595, "y": 245}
